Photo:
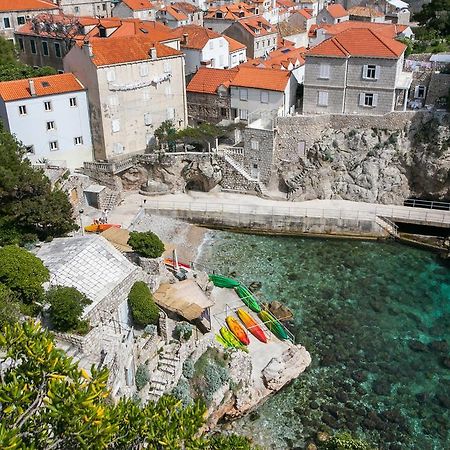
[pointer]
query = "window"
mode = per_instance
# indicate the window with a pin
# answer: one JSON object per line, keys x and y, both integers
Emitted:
{"x": 6, "y": 22}
{"x": 167, "y": 67}
{"x": 48, "y": 106}
{"x": 22, "y": 110}
{"x": 50, "y": 125}
{"x": 221, "y": 43}
{"x": 30, "y": 149}
{"x": 324, "y": 71}
{"x": 264, "y": 97}
{"x": 243, "y": 94}
{"x": 21, "y": 20}
{"x": 53, "y": 145}
{"x": 371, "y": 72}
{"x": 73, "y": 101}
{"x": 323, "y": 99}
{"x": 115, "y": 125}
{"x": 78, "y": 140}
{"x": 224, "y": 112}
{"x": 147, "y": 119}
{"x": 143, "y": 70}
{"x": 57, "y": 50}
{"x": 33, "y": 46}
{"x": 301, "y": 149}
{"x": 211, "y": 45}
{"x": 114, "y": 100}
{"x": 76, "y": 9}
{"x": 45, "y": 48}
{"x": 118, "y": 148}
{"x": 21, "y": 46}
{"x": 147, "y": 94}
{"x": 168, "y": 90}
{"x": 111, "y": 75}
{"x": 368, "y": 99}
{"x": 243, "y": 114}
{"x": 254, "y": 144}
{"x": 170, "y": 113}
{"x": 419, "y": 91}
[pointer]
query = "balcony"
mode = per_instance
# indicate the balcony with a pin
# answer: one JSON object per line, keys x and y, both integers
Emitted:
{"x": 404, "y": 80}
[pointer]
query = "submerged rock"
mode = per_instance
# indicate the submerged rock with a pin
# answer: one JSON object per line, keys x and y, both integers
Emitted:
{"x": 417, "y": 346}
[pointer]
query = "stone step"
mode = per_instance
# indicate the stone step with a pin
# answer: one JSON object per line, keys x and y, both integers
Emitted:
{"x": 171, "y": 371}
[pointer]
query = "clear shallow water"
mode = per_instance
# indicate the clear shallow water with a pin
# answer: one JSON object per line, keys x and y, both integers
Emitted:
{"x": 373, "y": 316}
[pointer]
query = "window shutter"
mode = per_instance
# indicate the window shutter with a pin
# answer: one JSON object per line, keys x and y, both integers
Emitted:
{"x": 365, "y": 70}
{"x": 115, "y": 124}
{"x": 416, "y": 92}
{"x": 143, "y": 69}
{"x": 362, "y": 97}
{"x": 377, "y": 72}
{"x": 375, "y": 100}
{"x": 147, "y": 119}
{"x": 111, "y": 75}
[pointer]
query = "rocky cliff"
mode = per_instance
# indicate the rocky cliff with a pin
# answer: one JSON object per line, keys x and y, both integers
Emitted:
{"x": 380, "y": 160}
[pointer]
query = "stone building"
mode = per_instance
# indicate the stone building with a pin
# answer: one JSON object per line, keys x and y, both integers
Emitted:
{"x": 221, "y": 17}
{"x": 137, "y": 9}
{"x": 180, "y": 14}
{"x": 366, "y": 14}
{"x": 93, "y": 8}
{"x": 134, "y": 84}
{"x": 237, "y": 52}
{"x": 356, "y": 72}
{"x": 14, "y": 14}
{"x": 332, "y": 14}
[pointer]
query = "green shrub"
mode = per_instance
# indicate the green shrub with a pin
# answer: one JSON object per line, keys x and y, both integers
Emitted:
{"x": 142, "y": 376}
{"x": 182, "y": 392}
{"x": 66, "y": 307}
{"x": 345, "y": 441}
{"x": 142, "y": 306}
{"x": 183, "y": 331}
{"x": 216, "y": 376}
{"x": 188, "y": 368}
{"x": 9, "y": 307}
{"x": 146, "y": 244}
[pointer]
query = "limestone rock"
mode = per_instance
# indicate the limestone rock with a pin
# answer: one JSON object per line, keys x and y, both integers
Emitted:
{"x": 280, "y": 371}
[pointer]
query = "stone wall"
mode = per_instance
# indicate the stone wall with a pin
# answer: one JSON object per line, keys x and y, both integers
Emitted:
{"x": 438, "y": 89}
{"x": 207, "y": 107}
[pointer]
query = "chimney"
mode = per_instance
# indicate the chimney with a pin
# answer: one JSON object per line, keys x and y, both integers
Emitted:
{"x": 152, "y": 53}
{"x": 32, "y": 88}
{"x": 184, "y": 39}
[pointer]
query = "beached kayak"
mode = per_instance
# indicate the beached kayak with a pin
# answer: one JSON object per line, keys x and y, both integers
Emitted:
{"x": 273, "y": 325}
{"x": 99, "y": 227}
{"x": 236, "y": 328}
{"x": 247, "y": 297}
{"x": 223, "y": 282}
{"x": 251, "y": 325}
{"x": 231, "y": 339}
{"x": 170, "y": 262}
{"x": 222, "y": 341}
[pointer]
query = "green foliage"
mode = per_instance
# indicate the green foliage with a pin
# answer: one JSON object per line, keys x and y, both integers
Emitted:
{"x": 66, "y": 307}
{"x": 188, "y": 368}
{"x": 27, "y": 202}
{"x": 230, "y": 442}
{"x": 9, "y": 307}
{"x": 142, "y": 377}
{"x": 183, "y": 331}
{"x": 435, "y": 16}
{"x": 166, "y": 134}
{"x": 345, "y": 441}
{"x": 146, "y": 244}
{"x": 182, "y": 391}
{"x": 23, "y": 273}
{"x": 142, "y": 306}
{"x": 12, "y": 69}
{"x": 49, "y": 402}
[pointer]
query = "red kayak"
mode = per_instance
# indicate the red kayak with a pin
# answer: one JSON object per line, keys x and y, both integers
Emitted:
{"x": 170, "y": 262}
{"x": 237, "y": 330}
{"x": 99, "y": 227}
{"x": 251, "y": 325}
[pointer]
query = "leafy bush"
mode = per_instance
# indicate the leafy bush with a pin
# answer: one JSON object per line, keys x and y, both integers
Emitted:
{"x": 146, "y": 244}
{"x": 23, "y": 273}
{"x": 66, "y": 307}
{"x": 216, "y": 376}
{"x": 142, "y": 306}
{"x": 345, "y": 441}
{"x": 182, "y": 392}
{"x": 188, "y": 368}
{"x": 142, "y": 376}
{"x": 9, "y": 307}
{"x": 183, "y": 331}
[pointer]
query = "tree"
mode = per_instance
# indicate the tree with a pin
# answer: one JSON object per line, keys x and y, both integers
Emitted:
{"x": 166, "y": 134}
{"x": 48, "y": 402}
{"x": 146, "y": 244}
{"x": 28, "y": 204}
{"x": 23, "y": 273}
{"x": 435, "y": 16}
{"x": 66, "y": 307}
{"x": 345, "y": 441}
{"x": 9, "y": 307}
{"x": 142, "y": 306}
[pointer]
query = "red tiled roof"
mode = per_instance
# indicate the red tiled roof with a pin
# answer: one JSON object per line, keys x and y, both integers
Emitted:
{"x": 364, "y": 11}
{"x": 26, "y": 5}
{"x": 336, "y": 11}
{"x": 207, "y": 80}
{"x": 231, "y": 12}
{"x": 257, "y": 25}
{"x": 233, "y": 45}
{"x": 386, "y": 29}
{"x": 359, "y": 42}
{"x": 138, "y": 5}
{"x": 280, "y": 59}
{"x": 304, "y": 13}
{"x": 286, "y": 3}
{"x": 187, "y": 8}
{"x": 48, "y": 85}
{"x": 261, "y": 78}
{"x": 176, "y": 13}
{"x": 197, "y": 36}
{"x": 127, "y": 49}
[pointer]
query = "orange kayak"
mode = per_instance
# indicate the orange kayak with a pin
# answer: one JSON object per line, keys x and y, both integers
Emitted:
{"x": 237, "y": 330}
{"x": 251, "y": 325}
{"x": 99, "y": 227}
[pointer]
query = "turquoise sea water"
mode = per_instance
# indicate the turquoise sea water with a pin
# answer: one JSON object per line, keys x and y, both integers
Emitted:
{"x": 376, "y": 320}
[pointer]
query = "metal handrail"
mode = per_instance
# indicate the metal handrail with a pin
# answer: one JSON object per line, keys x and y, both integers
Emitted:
{"x": 431, "y": 204}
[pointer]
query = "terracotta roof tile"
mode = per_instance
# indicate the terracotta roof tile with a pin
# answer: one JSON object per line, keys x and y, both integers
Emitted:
{"x": 233, "y": 45}
{"x": 231, "y": 12}
{"x": 26, "y": 5}
{"x": 138, "y": 5}
{"x": 49, "y": 85}
{"x": 336, "y": 11}
{"x": 280, "y": 58}
{"x": 364, "y": 11}
{"x": 359, "y": 42}
{"x": 261, "y": 78}
{"x": 257, "y": 26}
{"x": 306, "y": 14}
{"x": 176, "y": 13}
{"x": 127, "y": 49}
{"x": 197, "y": 36}
{"x": 386, "y": 29}
{"x": 187, "y": 8}
{"x": 207, "y": 80}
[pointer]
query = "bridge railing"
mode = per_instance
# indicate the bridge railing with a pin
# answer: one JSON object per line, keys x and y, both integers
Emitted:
{"x": 430, "y": 204}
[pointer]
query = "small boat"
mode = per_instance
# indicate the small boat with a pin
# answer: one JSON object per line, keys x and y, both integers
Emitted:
{"x": 223, "y": 282}
{"x": 236, "y": 328}
{"x": 170, "y": 262}
{"x": 273, "y": 325}
{"x": 248, "y": 298}
{"x": 99, "y": 227}
{"x": 251, "y": 325}
{"x": 222, "y": 341}
{"x": 229, "y": 337}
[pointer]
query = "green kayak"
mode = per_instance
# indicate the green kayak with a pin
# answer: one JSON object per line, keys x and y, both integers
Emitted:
{"x": 223, "y": 282}
{"x": 222, "y": 341}
{"x": 273, "y": 325}
{"x": 248, "y": 298}
{"x": 231, "y": 339}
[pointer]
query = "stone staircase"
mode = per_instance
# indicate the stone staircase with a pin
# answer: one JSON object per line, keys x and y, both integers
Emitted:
{"x": 388, "y": 226}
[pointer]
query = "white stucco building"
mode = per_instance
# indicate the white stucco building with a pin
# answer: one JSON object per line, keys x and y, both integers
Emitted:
{"x": 137, "y": 9}
{"x": 94, "y": 8}
{"x": 49, "y": 115}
